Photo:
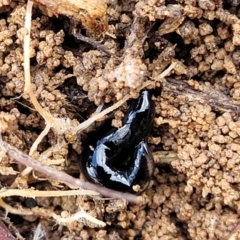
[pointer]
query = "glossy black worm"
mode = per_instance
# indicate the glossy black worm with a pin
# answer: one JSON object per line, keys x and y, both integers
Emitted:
{"x": 119, "y": 158}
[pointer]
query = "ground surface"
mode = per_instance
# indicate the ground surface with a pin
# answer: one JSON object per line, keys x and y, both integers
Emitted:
{"x": 195, "y": 194}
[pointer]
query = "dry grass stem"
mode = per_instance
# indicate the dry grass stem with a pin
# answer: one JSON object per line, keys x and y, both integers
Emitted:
{"x": 35, "y": 193}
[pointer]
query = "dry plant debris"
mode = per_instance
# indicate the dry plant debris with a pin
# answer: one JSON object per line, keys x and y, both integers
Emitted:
{"x": 124, "y": 47}
{"x": 91, "y": 13}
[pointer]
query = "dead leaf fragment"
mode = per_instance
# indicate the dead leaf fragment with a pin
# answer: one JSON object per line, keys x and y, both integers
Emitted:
{"x": 91, "y": 13}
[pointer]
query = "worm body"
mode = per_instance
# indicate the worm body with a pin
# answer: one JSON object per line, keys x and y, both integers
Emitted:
{"x": 120, "y": 158}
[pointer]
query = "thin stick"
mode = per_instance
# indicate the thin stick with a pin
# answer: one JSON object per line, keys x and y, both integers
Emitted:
{"x": 35, "y": 193}
{"x": 8, "y": 235}
{"x": 92, "y": 119}
{"x": 95, "y": 44}
{"x": 63, "y": 177}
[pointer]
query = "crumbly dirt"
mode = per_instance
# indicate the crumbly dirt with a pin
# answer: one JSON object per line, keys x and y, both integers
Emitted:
{"x": 194, "y": 195}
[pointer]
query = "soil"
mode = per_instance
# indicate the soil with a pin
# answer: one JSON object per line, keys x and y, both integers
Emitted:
{"x": 83, "y": 62}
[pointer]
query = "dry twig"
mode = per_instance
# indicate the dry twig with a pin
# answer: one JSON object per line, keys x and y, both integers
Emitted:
{"x": 216, "y": 99}
{"x": 31, "y": 193}
{"x": 63, "y": 177}
{"x": 4, "y": 232}
{"x": 95, "y": 44}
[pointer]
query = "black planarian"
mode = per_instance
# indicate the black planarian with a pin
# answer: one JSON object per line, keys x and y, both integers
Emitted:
{"x": 120, "y": 158}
